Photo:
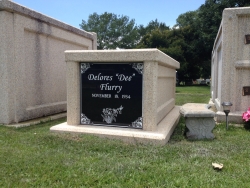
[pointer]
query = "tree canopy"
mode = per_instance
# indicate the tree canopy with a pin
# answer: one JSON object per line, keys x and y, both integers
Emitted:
{"x": 113, "y": 31}
{"x": 190, "y": 41}
{"x": 152, "y": 25}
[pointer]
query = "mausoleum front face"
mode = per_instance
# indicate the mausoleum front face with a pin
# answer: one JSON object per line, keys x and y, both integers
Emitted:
{"x": 125, "y": 94}
{"x": 231, "y": 63}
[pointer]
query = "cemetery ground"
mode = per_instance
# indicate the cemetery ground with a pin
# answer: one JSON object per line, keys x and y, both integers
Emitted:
{"x": 35, "y": 157}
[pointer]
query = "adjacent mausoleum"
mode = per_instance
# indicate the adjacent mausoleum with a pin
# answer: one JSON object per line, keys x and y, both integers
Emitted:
{"x": 124, "y": 94}
{"x": 231, "y": 64}
{"x": 32, "y": 66}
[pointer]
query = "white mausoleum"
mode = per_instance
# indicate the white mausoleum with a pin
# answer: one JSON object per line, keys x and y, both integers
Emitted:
{"x": 231, "y": 63}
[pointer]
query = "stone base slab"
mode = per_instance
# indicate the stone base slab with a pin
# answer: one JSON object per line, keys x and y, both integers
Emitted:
{"x": 233, "y": 117}
{"x": 160, "y": 137}
{"x": 37, "y": 120}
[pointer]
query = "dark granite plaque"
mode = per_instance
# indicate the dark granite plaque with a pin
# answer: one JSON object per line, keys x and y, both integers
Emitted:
{"x": 111, "y": 94}
{"x": 247, "y": 39}
{"x": 246, "y": 90}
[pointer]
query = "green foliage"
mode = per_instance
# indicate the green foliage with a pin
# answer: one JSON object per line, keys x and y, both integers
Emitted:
{"x": 207, "y": 21}
{"x": 190, "y": 41}
{"x": 168, "y": 41}
{"x": 112, "y": 31}
{"x": 186, "y": 19}
{"x": 210, "y": 15}
{"x": 152, "y": 25}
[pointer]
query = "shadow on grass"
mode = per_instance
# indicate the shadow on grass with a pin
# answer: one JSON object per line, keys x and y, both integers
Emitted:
{"x": 179, "y": 132}
{"x": 247, "y": 126}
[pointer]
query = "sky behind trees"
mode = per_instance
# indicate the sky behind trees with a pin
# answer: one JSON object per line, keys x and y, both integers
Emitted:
{"x": 143, "y": 11}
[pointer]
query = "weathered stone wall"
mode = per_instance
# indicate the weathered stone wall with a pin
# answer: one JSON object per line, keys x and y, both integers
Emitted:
{"x": 32, "y": 65}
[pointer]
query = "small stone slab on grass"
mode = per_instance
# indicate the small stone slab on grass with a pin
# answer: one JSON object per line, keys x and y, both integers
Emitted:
{"x": 199, "y": 120}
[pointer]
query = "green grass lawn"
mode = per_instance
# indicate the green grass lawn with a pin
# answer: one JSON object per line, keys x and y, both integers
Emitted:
{"x": 192, "y": 94}
{"x": 35, "y": 157}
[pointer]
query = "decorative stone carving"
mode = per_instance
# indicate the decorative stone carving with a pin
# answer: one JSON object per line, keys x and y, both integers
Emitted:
{"x": 137, "y": 123}
{"x": 84, "y": 67}
{"x": 85, "y": 119}
{"x": 138, "y": 67}
{"x": 200, "y": 128}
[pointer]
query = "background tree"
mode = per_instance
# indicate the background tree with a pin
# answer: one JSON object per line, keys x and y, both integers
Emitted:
{"x": 186, "y": 19}
{"x": 208, "y": 23}
{"x": 112, "y": 31}
{"x": 152, "y": 25}
{"x": 168, "y": 41}
{"x": 190, "y": 41}
{"x": 199, "y": 29}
